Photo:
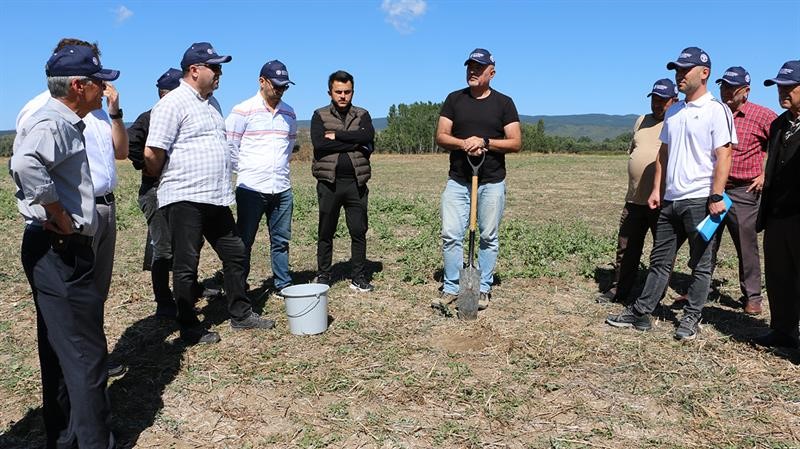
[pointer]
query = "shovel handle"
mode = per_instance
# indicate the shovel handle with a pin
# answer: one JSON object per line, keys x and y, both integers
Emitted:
{"x": 473, "y": 204}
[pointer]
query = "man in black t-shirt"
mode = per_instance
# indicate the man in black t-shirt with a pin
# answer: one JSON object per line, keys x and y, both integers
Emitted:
{"x": 476, "y": 122}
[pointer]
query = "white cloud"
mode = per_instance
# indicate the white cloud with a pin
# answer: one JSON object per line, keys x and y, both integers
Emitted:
{"x": 123, "y": 14}
{"x": 400, "y": 13}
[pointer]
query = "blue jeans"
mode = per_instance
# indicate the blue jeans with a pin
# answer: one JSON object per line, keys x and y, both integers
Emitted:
{"x": 250, "y": 207}
{"x": 455, "y": 221}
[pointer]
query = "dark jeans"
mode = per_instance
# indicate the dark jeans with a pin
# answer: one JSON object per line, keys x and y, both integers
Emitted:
{"x": 676, "y": 224}
{"x": 159, "y": 240}
{"x": 332, "y": 197}
{"x": 250, "y": 207}
{"x": 782, "y": 272}
{"x": 741, "y": 224}
{"x": 189, "y": 223}
{"x": 634, "y": 222}
{"x": 71, "y": 340}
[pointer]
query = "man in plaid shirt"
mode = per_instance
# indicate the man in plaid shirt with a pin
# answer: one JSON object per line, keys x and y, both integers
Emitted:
{"x": 745, "y": 181}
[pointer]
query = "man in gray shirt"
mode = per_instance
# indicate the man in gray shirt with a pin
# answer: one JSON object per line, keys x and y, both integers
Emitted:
{"x": 55, "y": 195}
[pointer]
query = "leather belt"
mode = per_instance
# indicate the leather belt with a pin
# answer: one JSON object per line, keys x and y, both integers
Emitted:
{"x": 106, "y": 199}
{"x": 63, "y": 240}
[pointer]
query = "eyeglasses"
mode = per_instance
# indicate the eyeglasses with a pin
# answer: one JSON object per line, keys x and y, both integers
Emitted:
{"x": 99, "y": 83}
{"x": 285, "y": 87}
{"x": 216, "y": 68}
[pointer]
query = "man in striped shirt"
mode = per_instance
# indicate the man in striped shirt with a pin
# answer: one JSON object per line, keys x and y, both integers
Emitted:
{"x": 261, "y": 133}
{"x": 745, "y": 181}
{"x": 186, "y": 147}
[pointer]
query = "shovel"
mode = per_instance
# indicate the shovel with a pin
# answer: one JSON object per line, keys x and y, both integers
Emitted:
{"x": 469, "y": 277}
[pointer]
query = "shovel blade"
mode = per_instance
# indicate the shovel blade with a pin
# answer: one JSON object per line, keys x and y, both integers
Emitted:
{"x": 469, "y": 291}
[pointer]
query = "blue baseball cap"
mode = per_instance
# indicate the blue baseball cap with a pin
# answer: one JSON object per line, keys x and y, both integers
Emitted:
{"x": 481, "y": 56}
{"x": 276, "y": 72}
{"x": 170, "y": 79}
{"x": 788, "y": 74}
{"x": 735, "y": 76}
{"x": 202, "y": 53}
{"x": 664, "y": 88}
{"x": 78, "y": 60}
{"x": 690, "y": 57}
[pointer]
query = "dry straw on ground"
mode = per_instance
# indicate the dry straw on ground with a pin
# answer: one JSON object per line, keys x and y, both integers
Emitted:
{"x": 537, "y": 369}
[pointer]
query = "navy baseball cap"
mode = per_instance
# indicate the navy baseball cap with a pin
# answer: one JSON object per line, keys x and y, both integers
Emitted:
{"x": 735, "y": 76}
{"x": 690, "y": 57}
{"x": 78, "y": 60}
{"x": 481, "y": 56}
{"x": 664, "y": 88}
{"x": 788, "y": 74}
{"x": 276, "y": 72}
{"x": 202, "y": 53}
{"x": 170, "y": 79}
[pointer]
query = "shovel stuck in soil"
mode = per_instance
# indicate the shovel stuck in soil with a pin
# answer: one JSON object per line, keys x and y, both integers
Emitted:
{"x": 469, "y": 279}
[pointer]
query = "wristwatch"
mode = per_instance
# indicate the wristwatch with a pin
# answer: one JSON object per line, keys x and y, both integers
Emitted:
{"x": 116, "y": 116}
{"x": 714, "y": 198}
{"x": 486, "y": 142}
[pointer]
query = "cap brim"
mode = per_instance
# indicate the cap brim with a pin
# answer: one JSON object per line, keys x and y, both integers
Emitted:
{"x": 673, "y": 64}
{"x": 220, "y": 60}
{"x": 106, "y": 75}
{"x": 478, "y": 61}
{"x": 780, "y": 82}
{"x": 660, "y": 95}
{"x": 280, "y": 82}
{"x": 722, "y": 80}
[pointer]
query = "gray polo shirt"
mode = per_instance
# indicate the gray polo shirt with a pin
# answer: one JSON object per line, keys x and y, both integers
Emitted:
{"x": 49, "y": 164}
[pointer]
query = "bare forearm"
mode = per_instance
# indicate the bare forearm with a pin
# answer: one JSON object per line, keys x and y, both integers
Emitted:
{"x": 721, "y": 170}
{"x": 153, "y": 161}
{"x": 507, "y": 145}
{"x": 119, "y": 136}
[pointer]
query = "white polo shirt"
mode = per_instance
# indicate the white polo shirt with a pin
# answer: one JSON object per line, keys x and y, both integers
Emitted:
{"x": 692, "y": 132}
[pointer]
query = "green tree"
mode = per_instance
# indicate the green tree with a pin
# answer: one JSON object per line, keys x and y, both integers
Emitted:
{"x": 410, "y": 128}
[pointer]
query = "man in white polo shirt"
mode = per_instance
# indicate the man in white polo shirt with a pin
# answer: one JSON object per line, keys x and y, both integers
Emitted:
{"x": 693, "y": 163}
{"x": 261, "y": 133}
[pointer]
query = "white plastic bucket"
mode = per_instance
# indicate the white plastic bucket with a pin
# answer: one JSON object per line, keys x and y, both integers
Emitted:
{"x": 306, "y": 308}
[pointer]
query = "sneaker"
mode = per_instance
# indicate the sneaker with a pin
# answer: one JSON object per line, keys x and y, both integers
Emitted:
{"x": 444, "y": 300}
{"x": 688, "y": 328}
{"x": 604, "y": 297}
{"x": 629, "y": 318}
{"x": 115, "y": 369}
{"x": 322, "y": 278}
{"x": 252, "y": 321}
{"x": 198, "y": 336}
{"x": 483, "y": 300}
{"x": 360, "y": 284}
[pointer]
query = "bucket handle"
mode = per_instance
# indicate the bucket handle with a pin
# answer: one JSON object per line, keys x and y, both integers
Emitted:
{"x": 306, "y": 310}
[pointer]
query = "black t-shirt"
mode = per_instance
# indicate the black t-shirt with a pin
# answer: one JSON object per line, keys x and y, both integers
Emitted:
{"x": 483, "y": 118}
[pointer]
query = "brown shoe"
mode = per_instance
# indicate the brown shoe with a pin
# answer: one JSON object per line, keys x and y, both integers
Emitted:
{"x": 753, "y": 306}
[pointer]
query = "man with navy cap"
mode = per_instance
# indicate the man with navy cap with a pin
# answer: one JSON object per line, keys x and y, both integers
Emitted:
{"x": 745, "y": 181}
{"x": 692, "y": 168}
{"x": 56, "y": 197}
{"x": 779, "y": 214}
{"x": 158, "y": 253}
{"x": 186, "y": 147}
{"x": 480, "y": 123}
{"x": 261, "y": 133}
{"x": 637, "y": 217}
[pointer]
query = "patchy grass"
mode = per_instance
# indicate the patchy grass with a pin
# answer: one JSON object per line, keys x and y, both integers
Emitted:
{"x": 537, "y": 369}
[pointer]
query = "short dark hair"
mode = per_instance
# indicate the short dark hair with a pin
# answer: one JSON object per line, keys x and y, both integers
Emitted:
{"x": 72, "y": 41}
{"x": 340, "y": 76}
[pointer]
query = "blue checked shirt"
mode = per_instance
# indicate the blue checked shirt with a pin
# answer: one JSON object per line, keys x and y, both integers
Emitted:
{"x": 191, "y": 130}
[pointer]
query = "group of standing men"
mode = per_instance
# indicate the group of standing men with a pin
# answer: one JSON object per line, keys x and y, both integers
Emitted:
{"x": 683, "y": 156}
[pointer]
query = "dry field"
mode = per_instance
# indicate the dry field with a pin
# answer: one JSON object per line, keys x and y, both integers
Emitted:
{"x": 538, "y": 369}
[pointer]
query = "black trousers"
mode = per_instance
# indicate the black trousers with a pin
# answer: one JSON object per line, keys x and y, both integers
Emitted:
{"x": 332, "y": 197}
{"x": 782, "y": 270}
{"x": 189, "y": 222}
{"x": 71, "y": 340}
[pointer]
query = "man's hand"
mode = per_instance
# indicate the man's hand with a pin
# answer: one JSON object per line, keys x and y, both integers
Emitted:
{"x": 757, "y": 184}
{"x": 58, "y": 219}
{"x": 654, "y": 200}
{"x": 471, "y": 144}
{"x": 112, "y": 98}
{"x": 716, "y": 208}
{"x": 331, "y": 135}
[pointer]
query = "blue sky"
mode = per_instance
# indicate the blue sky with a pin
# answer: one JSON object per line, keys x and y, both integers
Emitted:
{"x": 553, "y": 57}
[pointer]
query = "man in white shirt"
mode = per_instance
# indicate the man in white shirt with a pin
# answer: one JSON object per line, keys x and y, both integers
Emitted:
{"x": 261, "y": 132}
{"x": 693, "y": 165}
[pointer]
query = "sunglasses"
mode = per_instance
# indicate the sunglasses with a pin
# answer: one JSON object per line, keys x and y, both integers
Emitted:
{"x": 280, "y": 88}
{"x": 216, "y": 68}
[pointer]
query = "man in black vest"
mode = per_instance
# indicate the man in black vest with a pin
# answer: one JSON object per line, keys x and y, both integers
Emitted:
{"x": 779, "y": 214}
{"x": 342, "y": 135}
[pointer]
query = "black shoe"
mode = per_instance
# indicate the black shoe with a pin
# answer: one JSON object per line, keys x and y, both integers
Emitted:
{"x": 322, "y": 278}
{"x": 629, "y": 318}
{"x": 166, "y": 310}
{"x": 211, "y": 292}
{"x": 688, "y": 328}
{"x": 360, "y": 284}
{"x": 252, "y": 321}
{"x": 604, "y": 297}
{"x": 115, "y": 369}
{"x": 199, "y": 336}
{"x": 775, "y": 340}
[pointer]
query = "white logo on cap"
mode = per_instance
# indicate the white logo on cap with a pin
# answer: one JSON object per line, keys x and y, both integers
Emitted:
{"x": 491, "y": 58}
{"x": 703, "y": 57}
{"x": 785, "y": 71}
{"x": 660, "y": 87}
{"x": 676, "y": 90}
{"x": 685, "y": 56}
{"x": 731, "y": 74}
{"x": 747, "y": 78}
{"x": 476, "y": 55}
{"x": 280, "y": 72}
{"x": 210, "y": 51}
{"x": 94, "y": 61}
